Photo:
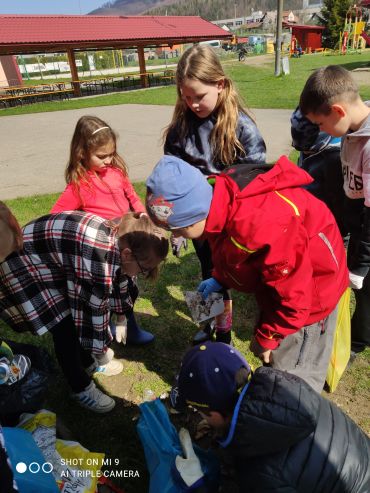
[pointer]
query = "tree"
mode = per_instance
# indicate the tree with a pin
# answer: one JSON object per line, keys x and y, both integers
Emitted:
{"x": 334, "y": 15}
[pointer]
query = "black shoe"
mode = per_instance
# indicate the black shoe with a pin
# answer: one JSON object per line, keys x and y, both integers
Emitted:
{"x": 352, "y": 358}
{"x": 224, "y": 337}
{"x": 205, "y": 334}
{"x": 357, "y": 347}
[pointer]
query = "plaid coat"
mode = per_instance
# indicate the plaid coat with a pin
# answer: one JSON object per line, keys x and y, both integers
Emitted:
{"x": 70, "y": 265}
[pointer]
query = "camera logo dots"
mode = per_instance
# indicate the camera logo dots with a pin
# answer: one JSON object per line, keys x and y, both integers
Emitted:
{"x": 21, "y": 467}
{"x": 34, "y": 467}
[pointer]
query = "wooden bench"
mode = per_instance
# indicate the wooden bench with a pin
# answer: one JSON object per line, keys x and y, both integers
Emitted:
{"x": 9, "y": 98}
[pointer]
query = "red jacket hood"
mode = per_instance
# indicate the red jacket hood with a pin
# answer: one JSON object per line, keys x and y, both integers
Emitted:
{"x": 284, "y": 174}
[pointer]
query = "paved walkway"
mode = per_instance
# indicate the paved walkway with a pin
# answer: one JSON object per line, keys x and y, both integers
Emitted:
{"x": 35, "y": 147}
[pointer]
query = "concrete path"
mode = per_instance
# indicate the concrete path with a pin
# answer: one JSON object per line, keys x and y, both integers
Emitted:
{"x": 34, "y": 148}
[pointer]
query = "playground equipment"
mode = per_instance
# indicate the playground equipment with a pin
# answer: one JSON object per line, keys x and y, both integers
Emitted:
{"x": 353, "y": 36}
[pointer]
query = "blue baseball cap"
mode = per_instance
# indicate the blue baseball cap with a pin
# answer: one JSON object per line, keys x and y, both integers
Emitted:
{"x": 207, "y": 377}
{"x": 178, "y": 194}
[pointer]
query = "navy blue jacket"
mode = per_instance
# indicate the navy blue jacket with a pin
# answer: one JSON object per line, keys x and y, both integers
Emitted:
{"x": 286, "y": 438}
{"x": 320, "y": 157}
{"x": 196, "y": 150}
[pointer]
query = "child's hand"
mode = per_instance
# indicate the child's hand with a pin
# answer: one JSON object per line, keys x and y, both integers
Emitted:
{"x": 121, "y": 333}
{"x": 265, "y": 355}
{"x": 209, "y": 286}
{"x": 119, "y": 328}
{"x": 188, "y": 465}
{"x": 177, "y": 244}
{"x": 355, "y": 281}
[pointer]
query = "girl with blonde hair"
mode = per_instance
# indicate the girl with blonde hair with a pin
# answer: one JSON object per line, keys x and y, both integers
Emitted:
{"x": 98, "y": 182}
{"x": 211, "y": 130}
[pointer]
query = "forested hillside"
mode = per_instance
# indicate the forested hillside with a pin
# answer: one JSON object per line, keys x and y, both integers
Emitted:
{"x": 208, "y": 9}
{"x": 219, "y": 9}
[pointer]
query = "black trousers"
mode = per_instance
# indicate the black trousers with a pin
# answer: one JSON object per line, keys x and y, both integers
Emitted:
{"x": 72, "y": 358}
{"x": 204, "y": 254}
{"x": 356, "y": 221}
{"x": 360, "y": 323}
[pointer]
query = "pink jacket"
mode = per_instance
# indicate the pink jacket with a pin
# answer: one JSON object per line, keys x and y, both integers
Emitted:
{"x": 109, "y": 194}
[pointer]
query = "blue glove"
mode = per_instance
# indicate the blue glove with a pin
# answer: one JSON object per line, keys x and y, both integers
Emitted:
{"x": 209, "y": 286}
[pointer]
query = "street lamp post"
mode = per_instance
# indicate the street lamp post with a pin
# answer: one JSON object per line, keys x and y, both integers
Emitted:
{"x": 279, "y": 18}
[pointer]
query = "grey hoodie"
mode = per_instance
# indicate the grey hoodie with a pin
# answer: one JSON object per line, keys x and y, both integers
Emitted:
{"x": 355, "y": 155}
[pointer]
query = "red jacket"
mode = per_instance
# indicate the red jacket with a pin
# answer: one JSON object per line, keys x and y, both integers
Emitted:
{"x": 271, "y": 237}
{"x": 108, "y": 194}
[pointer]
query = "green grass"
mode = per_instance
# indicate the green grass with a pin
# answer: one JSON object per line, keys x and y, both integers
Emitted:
{"x": 257, "y": 85}
{"x": 161, "y": 309}
{"x": 261, "y": 89}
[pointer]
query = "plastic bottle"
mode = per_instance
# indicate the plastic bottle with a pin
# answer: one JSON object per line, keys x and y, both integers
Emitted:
{"x": 148, "y": 395}
{"x": 5, "y": 351}
{"x": 4, "y": 372}
{"x": 18, "y": 368}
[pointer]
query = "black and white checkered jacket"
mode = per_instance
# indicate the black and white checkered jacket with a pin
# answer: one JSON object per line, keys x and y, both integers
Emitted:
{"x": 70, "y": 265}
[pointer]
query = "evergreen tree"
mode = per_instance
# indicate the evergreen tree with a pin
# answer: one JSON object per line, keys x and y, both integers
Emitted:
{"x": 334, "y": 15}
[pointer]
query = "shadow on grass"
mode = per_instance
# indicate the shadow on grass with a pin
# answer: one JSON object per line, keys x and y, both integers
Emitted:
{"x": 348, "y": 65}
{"x": 172, "y": 325}
{"x": 153, "y": 366}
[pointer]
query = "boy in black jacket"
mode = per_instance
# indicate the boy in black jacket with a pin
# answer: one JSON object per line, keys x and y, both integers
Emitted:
{"x": 283, "y": 435}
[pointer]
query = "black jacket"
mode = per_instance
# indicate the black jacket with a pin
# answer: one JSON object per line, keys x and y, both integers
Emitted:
{"x": 289, "y": 439}
{"x": 196, "y": 150}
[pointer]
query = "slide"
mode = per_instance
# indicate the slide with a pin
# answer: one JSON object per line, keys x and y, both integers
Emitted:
{"x": 366, "y": 37}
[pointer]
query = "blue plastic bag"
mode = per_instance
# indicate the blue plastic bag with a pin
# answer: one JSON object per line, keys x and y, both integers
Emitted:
{"x": 161, "y": 446}
{"x": 32, "y": 473}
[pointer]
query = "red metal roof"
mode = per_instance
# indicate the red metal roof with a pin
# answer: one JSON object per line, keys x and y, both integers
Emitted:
{"x": 74, "y": 29}
{"x": 303, "y": 27}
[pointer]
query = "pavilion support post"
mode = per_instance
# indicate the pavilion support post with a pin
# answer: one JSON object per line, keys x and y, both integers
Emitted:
{"x": 74, "y": 73}
{"x": 144, "y": 77}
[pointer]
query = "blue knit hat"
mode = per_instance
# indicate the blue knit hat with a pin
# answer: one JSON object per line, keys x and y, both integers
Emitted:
{"x": 178, "y": 194}
{"x": 207, "y": 377}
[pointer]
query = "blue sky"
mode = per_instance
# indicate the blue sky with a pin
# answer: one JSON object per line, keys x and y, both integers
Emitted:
{"x": 49, "y": 6}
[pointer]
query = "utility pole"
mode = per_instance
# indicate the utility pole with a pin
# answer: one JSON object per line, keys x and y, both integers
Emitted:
{"x": 279, "y": 19}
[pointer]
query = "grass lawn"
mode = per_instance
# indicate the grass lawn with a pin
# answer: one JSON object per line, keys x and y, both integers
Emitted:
{"x": 161, "y": 309}
{"x": 256, "y": 83}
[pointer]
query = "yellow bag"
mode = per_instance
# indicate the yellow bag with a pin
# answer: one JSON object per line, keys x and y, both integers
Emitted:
{"x": 342, "y": 343}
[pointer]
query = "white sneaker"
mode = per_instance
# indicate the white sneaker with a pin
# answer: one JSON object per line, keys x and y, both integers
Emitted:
{"x": 112, "y": 368}
{"x": 94, "y": 399}
{"x": 104, "y": 358}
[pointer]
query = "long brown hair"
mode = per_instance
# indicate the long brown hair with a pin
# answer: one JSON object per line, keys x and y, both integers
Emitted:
{"x": 90, "y": 133}
{"x": 201, "y": 62}
{"x": 143, "y": 237}
{"x": 11, "y": 236}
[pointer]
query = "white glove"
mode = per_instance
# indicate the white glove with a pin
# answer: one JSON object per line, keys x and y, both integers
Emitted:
{"x": 355, "y": 281}
{"x": 189, "y": 468}
{"x": 121, "y": 331}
